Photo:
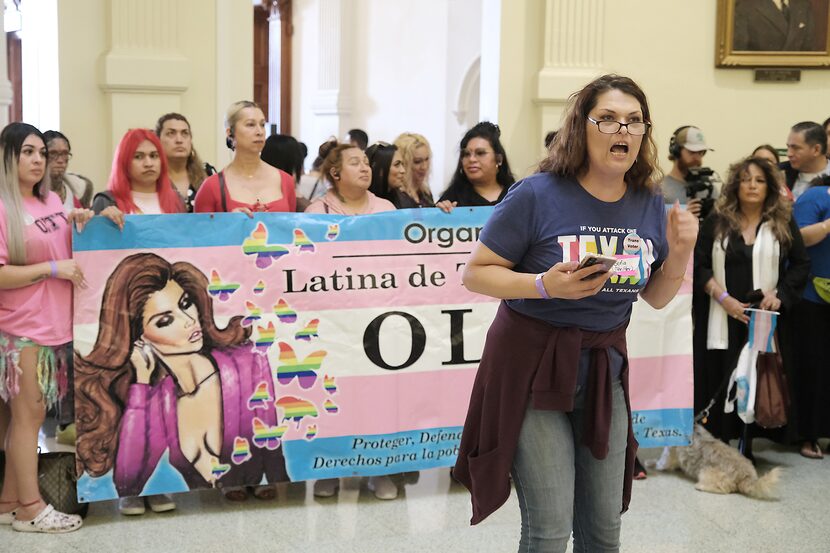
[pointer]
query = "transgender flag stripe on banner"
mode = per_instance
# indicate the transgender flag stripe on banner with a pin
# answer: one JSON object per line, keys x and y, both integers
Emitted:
{"x": 292, "y": 346}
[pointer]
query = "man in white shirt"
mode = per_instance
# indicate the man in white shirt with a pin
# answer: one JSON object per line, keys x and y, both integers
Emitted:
{"x": 807, "y": 155}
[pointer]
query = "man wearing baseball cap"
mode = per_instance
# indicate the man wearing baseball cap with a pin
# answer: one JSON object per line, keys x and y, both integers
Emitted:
{"x": 686, "y": 149}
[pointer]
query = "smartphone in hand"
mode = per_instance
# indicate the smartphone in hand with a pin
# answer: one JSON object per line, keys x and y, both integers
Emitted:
{"x": 591, "y": 259}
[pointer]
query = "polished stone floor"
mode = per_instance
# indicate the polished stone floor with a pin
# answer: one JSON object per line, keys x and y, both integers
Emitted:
{"x": 432, "y": 515}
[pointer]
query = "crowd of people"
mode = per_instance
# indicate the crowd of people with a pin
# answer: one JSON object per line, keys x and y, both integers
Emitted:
{"x": 758, "y": 239}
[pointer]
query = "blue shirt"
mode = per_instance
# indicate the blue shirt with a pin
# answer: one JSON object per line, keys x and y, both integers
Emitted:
{"x": 812, "y": 207}
{"x": 545, "y": 219}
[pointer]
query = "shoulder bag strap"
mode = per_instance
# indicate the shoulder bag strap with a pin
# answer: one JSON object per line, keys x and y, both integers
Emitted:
{"x": 222, "y": 193}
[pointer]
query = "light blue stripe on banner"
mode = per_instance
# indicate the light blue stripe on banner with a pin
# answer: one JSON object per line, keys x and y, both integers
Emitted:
{"x": 371, "y": 455}
{"x": 662, "y": 427}
{"x": 194, "y": 230}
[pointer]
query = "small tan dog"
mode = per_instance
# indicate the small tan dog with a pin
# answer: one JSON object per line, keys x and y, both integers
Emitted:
{"x": 717, "y": 467}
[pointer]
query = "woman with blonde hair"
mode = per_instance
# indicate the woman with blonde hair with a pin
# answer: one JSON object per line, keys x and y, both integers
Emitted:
{"x": 416, "y": 154}
{"x": 247, "y": 184}
{"x": 37, "y": 274}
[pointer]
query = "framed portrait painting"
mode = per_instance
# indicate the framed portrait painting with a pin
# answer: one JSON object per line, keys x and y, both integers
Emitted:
{"x": 773, "y": 33}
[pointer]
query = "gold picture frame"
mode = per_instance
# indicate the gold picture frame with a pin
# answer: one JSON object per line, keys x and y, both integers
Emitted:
{"x": 767, "y": 35}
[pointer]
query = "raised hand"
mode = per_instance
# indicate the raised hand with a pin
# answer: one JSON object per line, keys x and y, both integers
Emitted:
{"x": 143, "y": 360}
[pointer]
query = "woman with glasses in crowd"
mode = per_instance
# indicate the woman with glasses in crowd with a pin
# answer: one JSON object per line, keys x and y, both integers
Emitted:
{"x": 248, "y": 184}
{"x": 74, "y": 190}
{"x": 185, "y": 167}
{"x": 559, "y": 419}
{"x": 749, "y": 252}
{"x": 414, "y": 189}
{"x": 482, "y": 175}
{"x": 37, "y": 274}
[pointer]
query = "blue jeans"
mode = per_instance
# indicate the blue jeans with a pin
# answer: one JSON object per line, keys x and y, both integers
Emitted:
{"x": 563, "y": 488}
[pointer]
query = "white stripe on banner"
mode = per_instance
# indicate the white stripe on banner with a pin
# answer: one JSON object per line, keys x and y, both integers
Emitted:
{"x": 654, "y": 333}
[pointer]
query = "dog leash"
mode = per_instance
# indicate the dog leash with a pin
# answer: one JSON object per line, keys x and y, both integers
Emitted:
{"x": 703, "y": 415}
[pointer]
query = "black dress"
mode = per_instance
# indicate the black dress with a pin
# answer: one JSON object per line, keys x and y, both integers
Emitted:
{"x": 402, "y": 200}
{"x": 712, "y": 366}
{"x": 466, "y": 196}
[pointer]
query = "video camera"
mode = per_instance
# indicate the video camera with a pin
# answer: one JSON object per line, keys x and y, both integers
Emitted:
{"x": 700, "y": 185}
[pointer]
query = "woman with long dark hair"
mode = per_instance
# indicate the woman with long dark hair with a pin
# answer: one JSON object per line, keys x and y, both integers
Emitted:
{"x": 162, "y": 376}
{"x": 550, "y": 403}
{"x": 185, "y": 168}
{"x": 37, "y": 274}
{"x": 749, "y": 252}
{"x": 482, "y": 175}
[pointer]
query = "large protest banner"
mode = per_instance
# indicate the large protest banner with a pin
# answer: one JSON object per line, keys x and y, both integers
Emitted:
{"x": 219, "y": 350}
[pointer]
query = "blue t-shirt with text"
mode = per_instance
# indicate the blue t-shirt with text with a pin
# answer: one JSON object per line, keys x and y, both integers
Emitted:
{"x": 812, "y": 207}
{"x": 545, "y": 219}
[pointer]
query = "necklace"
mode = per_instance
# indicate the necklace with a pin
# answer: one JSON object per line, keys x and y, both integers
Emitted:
{"x": 182, "y": 394}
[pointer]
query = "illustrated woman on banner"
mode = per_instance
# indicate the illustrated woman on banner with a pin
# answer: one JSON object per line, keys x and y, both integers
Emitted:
{"x": 163, "y": 376}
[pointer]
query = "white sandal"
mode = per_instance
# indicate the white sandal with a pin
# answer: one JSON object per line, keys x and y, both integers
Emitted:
{"x": 49, "y": 521}
{"x": 7, "y": 518}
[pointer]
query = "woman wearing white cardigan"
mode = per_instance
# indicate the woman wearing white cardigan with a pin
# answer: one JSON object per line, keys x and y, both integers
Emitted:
{"x": 749, "y": 252}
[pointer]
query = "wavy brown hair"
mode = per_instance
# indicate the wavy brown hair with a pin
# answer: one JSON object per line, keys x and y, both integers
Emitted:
{"x": 569, "y": 151}
{"x": 103, "y": 377}
{"x": 777, "y": 209}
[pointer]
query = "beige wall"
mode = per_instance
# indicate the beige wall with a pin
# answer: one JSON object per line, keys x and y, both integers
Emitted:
{"x": 668, "y": 47}
{"x": 111, "y": 82}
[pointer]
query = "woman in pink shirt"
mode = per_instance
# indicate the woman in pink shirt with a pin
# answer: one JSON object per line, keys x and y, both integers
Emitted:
{"x": 139, "y": 183}
{"x": 36, "y": 278}
{"x": 247, "y": 184}
{"x": 348, "y": 170}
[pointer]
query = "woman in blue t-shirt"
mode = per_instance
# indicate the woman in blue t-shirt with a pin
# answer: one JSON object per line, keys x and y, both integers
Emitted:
{"x": 550, "y": 403}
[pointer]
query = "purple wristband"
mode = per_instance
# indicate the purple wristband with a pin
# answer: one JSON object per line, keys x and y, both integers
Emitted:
{"x": 723, "y": 296}
{"x": 540, "y": 287}
{"x": 54, "y": 269}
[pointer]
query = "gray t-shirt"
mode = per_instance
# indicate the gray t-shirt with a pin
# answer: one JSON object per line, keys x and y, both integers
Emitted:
{"x": 675, "y": 190}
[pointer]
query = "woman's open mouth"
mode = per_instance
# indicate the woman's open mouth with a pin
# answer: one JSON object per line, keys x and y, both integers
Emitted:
{"x": 620, "y": 148}
{"x": 195, "y": 336}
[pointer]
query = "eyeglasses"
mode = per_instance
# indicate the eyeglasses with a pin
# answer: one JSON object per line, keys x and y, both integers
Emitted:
{"x": 60, "y": 155}
{"x": 634, "y": 128}
{"x": 478, "y": 154}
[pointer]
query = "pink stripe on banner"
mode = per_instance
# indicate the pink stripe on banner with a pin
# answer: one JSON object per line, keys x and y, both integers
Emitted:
{"x": 235, "y": 267}
{"x": 396, "y": 403}
{"x": 661, "y": 382}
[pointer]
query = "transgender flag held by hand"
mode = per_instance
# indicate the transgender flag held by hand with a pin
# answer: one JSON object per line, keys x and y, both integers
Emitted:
{"x": 762, "y": 330}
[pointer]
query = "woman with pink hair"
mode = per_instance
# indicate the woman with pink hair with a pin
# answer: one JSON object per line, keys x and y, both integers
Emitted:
{"x": 139, "y": 181}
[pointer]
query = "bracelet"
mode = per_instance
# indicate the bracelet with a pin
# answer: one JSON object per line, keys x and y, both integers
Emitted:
{"x": 722, "y": 296}
{"x": 53, "y": 269}
{"x": 681, "y": 277}
{"x": 540, "y": 287}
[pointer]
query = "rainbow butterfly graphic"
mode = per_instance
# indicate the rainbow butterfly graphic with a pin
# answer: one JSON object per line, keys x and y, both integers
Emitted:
{"x": 330, "y": 407}
{"x": 217, "y": 469}
{"x": 296, "y": 409}
{"x": 267, "y": 335}
{"x": 260, "y": 398}
{"x": 260, "y": 287}
{"x": 309, "y": 332}
{"x": 254, "y": 314}
{"x": 329, "y": 384}
{"x": 301, "y": 240}
{"x": 311, "y": 432}
{"x": 266, "y": 436}
{"x": 291, "y": 368}
{"x": 334, "y": 232}
{"x": 284, "y": 313}
{"x": 221, "y": 289}
{"x": 241, "y": 451}
{"x": 257, "y": 244}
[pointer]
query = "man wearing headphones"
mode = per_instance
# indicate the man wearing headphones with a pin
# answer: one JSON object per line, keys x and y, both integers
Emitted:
{"x": 686, "y": 149}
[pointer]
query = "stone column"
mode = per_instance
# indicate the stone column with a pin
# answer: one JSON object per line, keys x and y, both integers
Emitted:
{"x": 5, "y": 84}
{"x": 144, "y": 73}
{"x": 332, "y": 99}
{"x": 573, "y": 54}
